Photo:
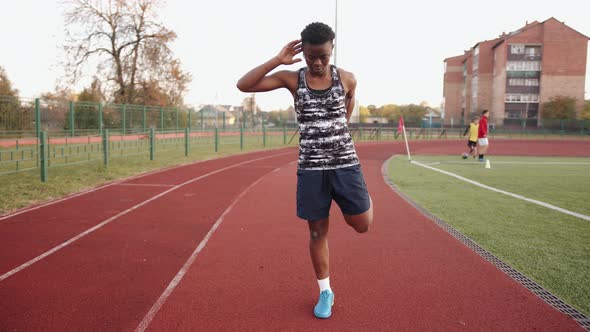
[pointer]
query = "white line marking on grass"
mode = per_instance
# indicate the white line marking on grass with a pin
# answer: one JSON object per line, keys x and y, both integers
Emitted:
{"x": 83, "y": 234}
{"x": 162, "y": 299}
{"x": 457, "y": 162}
{"x": 530, "y": 200}
{"x": 513, "y": 162}
{"x": 540, "y": 163}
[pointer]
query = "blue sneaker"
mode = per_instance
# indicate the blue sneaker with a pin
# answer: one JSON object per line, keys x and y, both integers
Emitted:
{"x": 324, "y": 307}
{"x": 481, "y": 160}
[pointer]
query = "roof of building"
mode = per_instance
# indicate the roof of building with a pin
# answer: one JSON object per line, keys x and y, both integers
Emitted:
{"x": 459, "y": 57}
{"x": 528, "y": 26}
{"x": 212, "y": 110}
{"x": 505, "y": 36}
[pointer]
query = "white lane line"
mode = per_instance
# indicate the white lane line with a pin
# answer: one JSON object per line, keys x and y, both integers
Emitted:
{"x": 162, "y": 299}
{"x": 145, "y": 184}
{"x": 10, "y": 215}
{"x": 530, "y": 200}
{"x": 16, "y": 213}
{"x": 83, "y": 234}
{"x": 268, "y": 167}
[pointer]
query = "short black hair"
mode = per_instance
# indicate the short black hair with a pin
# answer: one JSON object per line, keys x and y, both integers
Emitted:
{"x": 317, "y": 33}
{"x": 484, "y": 112}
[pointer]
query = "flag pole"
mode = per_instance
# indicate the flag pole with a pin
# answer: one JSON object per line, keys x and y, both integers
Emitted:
{"x": 406, "y": 139}
{"x": 401, "y": 128}
{"x": 336, "y": 31}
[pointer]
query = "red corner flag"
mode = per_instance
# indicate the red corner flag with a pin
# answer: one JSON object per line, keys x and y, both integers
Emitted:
{"x": 400, "y": 125}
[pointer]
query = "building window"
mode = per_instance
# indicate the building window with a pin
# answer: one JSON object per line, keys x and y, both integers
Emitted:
{"x": 474, "y": 84}
{"x": 532, "y": 51}
{"x": 476, "y": 58}
{"x": 523, "y": 81}
{"x": 522, "y": 98}
{"x": 521, "y": 114}
{"x": 517, "y": 49}
{"x": 523, "y": 65}
{"x": 525, "y": 74}
{"x": 513, "y": 114}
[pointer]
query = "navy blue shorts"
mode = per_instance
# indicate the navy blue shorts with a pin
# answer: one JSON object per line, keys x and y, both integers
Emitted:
{"x": 317, "y": 189}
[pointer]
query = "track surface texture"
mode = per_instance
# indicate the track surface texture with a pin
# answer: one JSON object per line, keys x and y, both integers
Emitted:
{"x": 254, "y": 273}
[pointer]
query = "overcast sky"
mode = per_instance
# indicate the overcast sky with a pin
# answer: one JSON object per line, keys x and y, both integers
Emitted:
{"x": 396, "y": 49}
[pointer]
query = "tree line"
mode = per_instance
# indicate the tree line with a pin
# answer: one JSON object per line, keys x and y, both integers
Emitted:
{"x": 564, "y": 108}
{"x": 412, "y": 113}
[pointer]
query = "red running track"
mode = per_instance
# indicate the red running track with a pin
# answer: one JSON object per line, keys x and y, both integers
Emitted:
{"x": 254, "y": 273}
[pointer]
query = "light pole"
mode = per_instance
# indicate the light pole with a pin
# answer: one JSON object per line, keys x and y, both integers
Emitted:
{"x": 216, "y": 101}
{"x": 336, "y": 32}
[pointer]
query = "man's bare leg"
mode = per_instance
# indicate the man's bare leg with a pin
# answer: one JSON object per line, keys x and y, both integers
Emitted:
{"x": 360, "y": 222}
{"x": 318, "y": 247}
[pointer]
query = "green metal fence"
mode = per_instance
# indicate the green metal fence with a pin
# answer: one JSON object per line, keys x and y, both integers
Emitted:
{"x": 18, "y": 155}
{"x": 17, "y": 116}
{"x": 25, "y": 117}
{"x": 516, "y": 126}
{"x": 52, "y": 150}
{"x": 39, "y": 134}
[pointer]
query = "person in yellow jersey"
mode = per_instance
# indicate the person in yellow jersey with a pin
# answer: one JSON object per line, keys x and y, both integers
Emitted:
{"x": 472, "y": 129}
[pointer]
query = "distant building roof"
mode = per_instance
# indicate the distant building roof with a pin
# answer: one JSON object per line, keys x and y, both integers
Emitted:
{"x": 213, "y": 110}
{"x": 528, "y": 26}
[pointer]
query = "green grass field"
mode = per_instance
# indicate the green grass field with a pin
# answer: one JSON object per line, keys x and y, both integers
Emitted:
{"x": 548, "y": 246}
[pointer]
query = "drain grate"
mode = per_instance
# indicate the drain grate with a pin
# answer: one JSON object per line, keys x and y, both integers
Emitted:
{"x": 532, "y": 286}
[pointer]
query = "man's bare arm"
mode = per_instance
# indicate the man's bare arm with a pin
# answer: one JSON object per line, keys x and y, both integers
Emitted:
{"x": 256, "y": 80}
{"x": 350, "y": 96}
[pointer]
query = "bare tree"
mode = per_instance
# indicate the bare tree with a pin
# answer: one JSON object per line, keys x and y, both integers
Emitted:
{"x": 6, "y": 88}
{"x": 129, "y": 46}
{"x": 12, "y": 114}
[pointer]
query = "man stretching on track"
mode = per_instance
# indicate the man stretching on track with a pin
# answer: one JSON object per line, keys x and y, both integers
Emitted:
{"x": 328, "y": 166}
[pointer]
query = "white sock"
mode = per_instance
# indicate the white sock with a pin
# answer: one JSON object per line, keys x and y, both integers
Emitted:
{"x": 324, "y": 284}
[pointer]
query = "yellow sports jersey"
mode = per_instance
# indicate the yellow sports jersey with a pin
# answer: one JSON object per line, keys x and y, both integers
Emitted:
{"x": 473, "y": 127}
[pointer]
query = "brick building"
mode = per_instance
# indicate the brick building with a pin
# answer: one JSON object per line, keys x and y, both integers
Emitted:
{"x": 512, "y": 75}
